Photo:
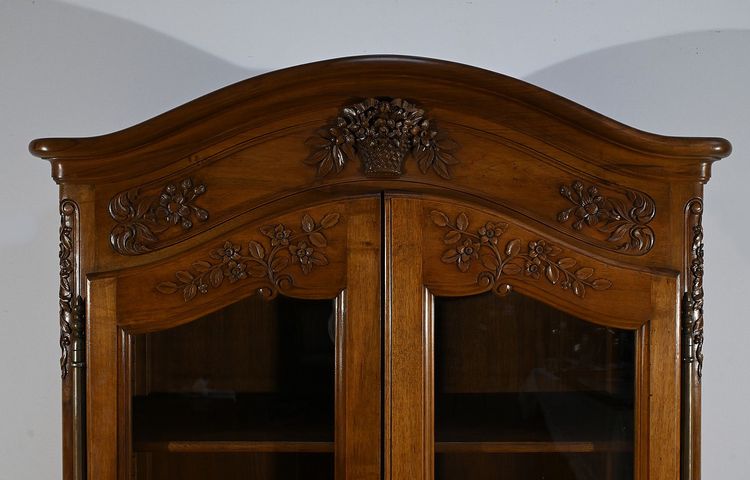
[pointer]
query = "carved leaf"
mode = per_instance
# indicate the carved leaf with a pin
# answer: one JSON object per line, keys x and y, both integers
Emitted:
{"x": 307, "y": 223}
{"x": 578, "y": 288}
{"x": 552, "y": 273}
{"x": 601, "y": 284}
{"x": 450, "y": 256}
{"x": 330, "y": 220}
{"x": 317, "y": 258}
{"x": 424, "y": 157}
{"x": 567, "y": 263}
{"x": 318, "y": 240}
{"x": 184, "y": 276}
{"x": 279, "y": 263}
{"x": 201, "y": 266}
{"x": 490, "y": 261}
{"x": 256, "y": 250}
{"x": 257, "y": 270}
{"x": 463, "y": 266}
{"x": 441, "y": 168}
{"x": 513, "y": 247}
{"x": 511, "y": 269}
{"x": 584, "y": 273}
{"x": 462, "y": 221}
{"x": 189, "y": 292}
{"x": 451, "y": 237}
{"x": 439, "y": 218}
{"x": 216, "y": 277}
{"x": 167, "y": 287}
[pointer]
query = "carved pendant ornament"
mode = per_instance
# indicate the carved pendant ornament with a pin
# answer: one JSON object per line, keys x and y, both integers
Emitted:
{"x": 283, "y": 247}
{"x": 72, "y": 307}
{"x": 695, "y": 215}
{"x": 68, "y": 211}
{"x": 381, "y": 133}
{"x": 538, "y": 260}
{"x": 141, "y": 218}
{"x": 625, "y": 220}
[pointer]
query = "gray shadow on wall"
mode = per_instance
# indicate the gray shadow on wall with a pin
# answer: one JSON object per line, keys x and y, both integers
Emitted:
{"x": 693, "y": 84}
{"x": 65, "y": 71}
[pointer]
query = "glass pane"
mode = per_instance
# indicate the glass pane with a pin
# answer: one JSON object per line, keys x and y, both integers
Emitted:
{"x": 246, "y": 392}
{"x": 524, "y": 391}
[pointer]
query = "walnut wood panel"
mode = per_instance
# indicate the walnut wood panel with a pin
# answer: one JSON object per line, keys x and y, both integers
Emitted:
{"x": 470, "y": 250}
{"x": 620, "y": 222}
{"x": 271, "y": 256}
{"x": 269, "y": 97}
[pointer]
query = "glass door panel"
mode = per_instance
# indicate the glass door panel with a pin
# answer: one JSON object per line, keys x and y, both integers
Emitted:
{"x": 246, "y": 392}
{"x": 524, "y": 391}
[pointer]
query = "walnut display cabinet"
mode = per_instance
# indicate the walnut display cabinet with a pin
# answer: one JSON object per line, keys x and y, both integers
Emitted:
{"x": 381, "y": 268}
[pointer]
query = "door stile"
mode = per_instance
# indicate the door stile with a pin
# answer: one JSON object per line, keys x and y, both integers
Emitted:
{"x": 406, "y": 343}
{"x": 102, "y": 384}
{"x": 358, "y": 337}
{"x": 665, "y": 371}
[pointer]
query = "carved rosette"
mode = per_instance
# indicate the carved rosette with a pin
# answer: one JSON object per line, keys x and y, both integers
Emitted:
{"x": 267, "y": 261}
{"x": 381, "y": 133}
{"x": 68, "y": 219}
{"x": 624, "y": 220}
{"x": 695, "y": 277}
{"x": 538, "y": 259}
{"x": 142, "y": 217}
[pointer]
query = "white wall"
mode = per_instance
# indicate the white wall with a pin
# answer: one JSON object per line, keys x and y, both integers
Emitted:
{"x": 86, "y": 67}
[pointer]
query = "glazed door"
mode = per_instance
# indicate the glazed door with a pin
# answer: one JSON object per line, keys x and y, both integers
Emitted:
{"x": 252, "y": 354}
{"x": 512, "y": 355}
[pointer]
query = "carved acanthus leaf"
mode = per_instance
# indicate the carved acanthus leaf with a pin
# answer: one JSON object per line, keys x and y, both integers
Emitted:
{"x": 267, "y": 260}
{"x": 625, "y": 220}
{"x": 381, "y": 132}
{"x": 142, "y": 217}
{"x": 536, "y": 260}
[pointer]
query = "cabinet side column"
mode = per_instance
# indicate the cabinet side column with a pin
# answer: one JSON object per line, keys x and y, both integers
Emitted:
{"x": 71, "y": 341}
{"x": 407, "y": 395}
{"x": 692, "y": 340}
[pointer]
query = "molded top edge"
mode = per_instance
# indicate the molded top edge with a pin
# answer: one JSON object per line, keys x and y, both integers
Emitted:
{"x": 460, "y": 76}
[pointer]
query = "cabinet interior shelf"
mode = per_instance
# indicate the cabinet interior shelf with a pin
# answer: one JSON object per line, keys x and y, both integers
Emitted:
{"x": 233, "y": 423}
{"x": 557, "y": 422}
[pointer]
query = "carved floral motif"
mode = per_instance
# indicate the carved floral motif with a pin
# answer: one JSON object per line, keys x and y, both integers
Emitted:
{"x": 625, "y": 222}
{"x": 72, "y": 306}
{"x": 141, "y": 218}
{"x": 695, "y": 211}
{"x": 234, "y": 262}
{"x": 537, "y": 259}
{"x": 68, "y": 210}
{"x": 381, "y": 133}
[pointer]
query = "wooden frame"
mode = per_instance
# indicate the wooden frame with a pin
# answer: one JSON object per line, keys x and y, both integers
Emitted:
{"x": 136, "y": 205}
